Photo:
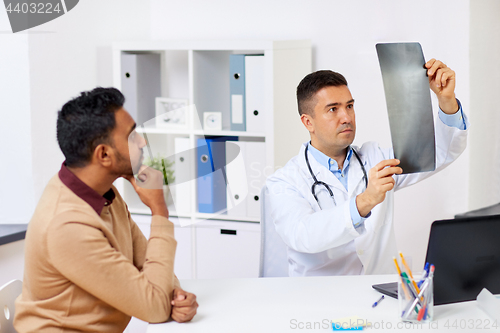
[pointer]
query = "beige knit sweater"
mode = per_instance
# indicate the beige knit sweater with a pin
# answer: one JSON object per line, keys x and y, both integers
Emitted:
{"x": 90, "y": 273}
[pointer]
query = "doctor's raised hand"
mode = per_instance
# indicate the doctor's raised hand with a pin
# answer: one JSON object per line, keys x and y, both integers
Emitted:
{"x": 442, "y": 83}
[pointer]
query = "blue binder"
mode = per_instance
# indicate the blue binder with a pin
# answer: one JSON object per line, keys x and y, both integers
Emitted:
{"x": 211, "y": 173}
{"x": 237, "y": 92}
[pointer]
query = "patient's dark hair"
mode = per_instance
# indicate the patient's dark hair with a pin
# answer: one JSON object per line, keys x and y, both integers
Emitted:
{"x": 85, "y": 122}
{"x": 311, "y": 84}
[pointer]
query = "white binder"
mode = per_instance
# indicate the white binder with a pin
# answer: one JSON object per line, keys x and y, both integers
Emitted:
{"x": 255, "y": 153}
{"x": 237, "y": 183}
{"x": 182, "y": 173}
{"x": 245, "y": 178}
{"x": 141, "y": 84}
{"x": 255, "y": 92}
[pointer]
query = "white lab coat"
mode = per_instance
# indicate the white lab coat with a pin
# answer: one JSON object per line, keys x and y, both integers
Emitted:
{"x": 322, "y": 240}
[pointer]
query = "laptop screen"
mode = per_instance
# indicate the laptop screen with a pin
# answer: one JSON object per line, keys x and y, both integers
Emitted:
{"x": 466, "y": 254}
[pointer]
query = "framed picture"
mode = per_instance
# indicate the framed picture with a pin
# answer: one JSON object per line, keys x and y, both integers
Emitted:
{"x": 172, "y": 113}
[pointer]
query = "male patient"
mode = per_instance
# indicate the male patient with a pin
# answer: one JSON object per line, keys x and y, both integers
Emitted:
{"x": 88, "y": 267}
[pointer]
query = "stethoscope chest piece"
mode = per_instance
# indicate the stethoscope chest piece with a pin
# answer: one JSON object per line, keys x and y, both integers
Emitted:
{"x": 320, "y": 183}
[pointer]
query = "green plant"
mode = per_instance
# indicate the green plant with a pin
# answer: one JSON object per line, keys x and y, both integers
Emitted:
{"x": 164, "y": 165}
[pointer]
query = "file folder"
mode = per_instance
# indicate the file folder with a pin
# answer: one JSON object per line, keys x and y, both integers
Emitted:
{"x": 237, "y": 92}
{"x": 245, "y": 178}
{"x": 141, "y": 84}
{"x": 255, "y": 92}
{"x": 211, "y": 160}
{"x": 182, "y": 169}
{"x": 255, "y": 153}
{"x": 237, "y": 183}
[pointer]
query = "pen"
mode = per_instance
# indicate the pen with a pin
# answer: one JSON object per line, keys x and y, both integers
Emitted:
{"x": 413, "y": 292}
{"x": 424, "y": 275}
{"x": 379, "y": 300}
{"x": 397, "y": 266}
{"x": 399, "y": 273}
{"x": 415, "y": 301}
{"x": 422, "y": 313}
{"x": 409, "y": 272}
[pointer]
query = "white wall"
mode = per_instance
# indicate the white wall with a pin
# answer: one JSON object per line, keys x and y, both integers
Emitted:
{"x": 344, "y": 34}
{"x": 484, "y": 88}
{"x": 40, "y": 70}
{"x": 16, "y": 177}
{"x": 73, "y": 54}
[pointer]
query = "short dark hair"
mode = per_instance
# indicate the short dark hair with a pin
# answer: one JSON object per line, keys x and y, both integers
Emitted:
{"x": 314, "y": 82}
{"x": 85, "y": 122}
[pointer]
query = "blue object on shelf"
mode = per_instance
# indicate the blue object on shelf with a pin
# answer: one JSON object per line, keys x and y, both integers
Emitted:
{"x": 211, "y": 173}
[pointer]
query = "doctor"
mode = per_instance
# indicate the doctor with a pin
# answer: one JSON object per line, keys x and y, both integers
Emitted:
{"x": 333, "y": 203}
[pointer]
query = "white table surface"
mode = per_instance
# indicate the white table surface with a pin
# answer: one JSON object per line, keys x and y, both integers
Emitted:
{"x": 294, "y": 304}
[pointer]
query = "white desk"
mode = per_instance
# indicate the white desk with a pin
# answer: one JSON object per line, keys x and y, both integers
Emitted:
{"x": 287, "y": 304}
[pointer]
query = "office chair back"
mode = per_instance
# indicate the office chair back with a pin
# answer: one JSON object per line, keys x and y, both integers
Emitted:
{"x": 485, "y": 211}
{"x": 273, "y": 251}
{"x": 8, "y": 295}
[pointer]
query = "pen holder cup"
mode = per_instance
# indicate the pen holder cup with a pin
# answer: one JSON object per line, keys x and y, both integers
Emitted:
{"x": 416, "y": 304}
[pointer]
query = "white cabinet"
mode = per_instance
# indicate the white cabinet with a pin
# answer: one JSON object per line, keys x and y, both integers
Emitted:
{"x": 11, "y": 261}
{"x": 212, "y": 249}
{"x": 183, "y": 264}
{"x": 227, "y": 250}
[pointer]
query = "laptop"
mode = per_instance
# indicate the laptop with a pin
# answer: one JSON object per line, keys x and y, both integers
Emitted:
{"x": 466, "y": 254}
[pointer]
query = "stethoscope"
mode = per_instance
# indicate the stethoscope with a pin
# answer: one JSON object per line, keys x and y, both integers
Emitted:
{"x": 317, "y": 182}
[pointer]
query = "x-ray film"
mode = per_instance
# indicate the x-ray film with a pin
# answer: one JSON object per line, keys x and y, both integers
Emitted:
{"x": 409, "y": 106}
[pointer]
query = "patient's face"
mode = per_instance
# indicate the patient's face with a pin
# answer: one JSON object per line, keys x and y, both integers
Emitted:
{"x": 128, "y": 144}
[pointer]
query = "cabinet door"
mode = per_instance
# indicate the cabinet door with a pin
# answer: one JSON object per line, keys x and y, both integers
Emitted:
{"x": 183, "y": 253}
{"x": 227, "y": 250}
{"x": 11, "y": 262}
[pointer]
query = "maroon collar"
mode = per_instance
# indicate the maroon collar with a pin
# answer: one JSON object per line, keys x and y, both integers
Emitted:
{"x": 84, "y": 191}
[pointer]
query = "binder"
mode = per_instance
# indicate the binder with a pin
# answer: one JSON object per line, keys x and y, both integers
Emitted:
{"x": 237, "y": 183}
{"x": 141, "y": 84}
{"x": 255, "y": 153}
{"x": 237, "y": 92}
{"x": 182, "y": 169}
{"x": 245, "y": 178}
{"x": 211, "y": 181}
{"x": 255, "y": 93}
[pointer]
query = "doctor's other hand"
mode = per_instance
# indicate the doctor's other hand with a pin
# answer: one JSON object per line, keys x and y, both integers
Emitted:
{"x": 149, "y": 187}
{"x": 379, "y": 182}
{"x": 442, "y": 83}
{"x": 184, "y": 305}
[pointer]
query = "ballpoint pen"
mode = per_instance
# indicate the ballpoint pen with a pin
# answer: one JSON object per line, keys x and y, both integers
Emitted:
{"x": 409, "y": 272}
{"x": 424, "y": 274}
{"x": 416, "y": 300}
{"x": 423, "y": 309}
{"x": 400, "y": 277}
{"x": 378, "y": 301}
{"x": 413, "y": 292}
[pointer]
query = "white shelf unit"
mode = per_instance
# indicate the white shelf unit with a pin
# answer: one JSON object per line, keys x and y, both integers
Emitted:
{"x": 220, "y": 245}
{"x": 199, "y": 71}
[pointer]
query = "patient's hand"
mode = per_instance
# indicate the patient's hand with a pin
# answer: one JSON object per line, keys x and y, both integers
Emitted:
{"x": 184, "y": 305}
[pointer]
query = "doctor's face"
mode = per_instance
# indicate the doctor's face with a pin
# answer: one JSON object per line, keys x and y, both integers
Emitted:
{"x": 333, "y": 125}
